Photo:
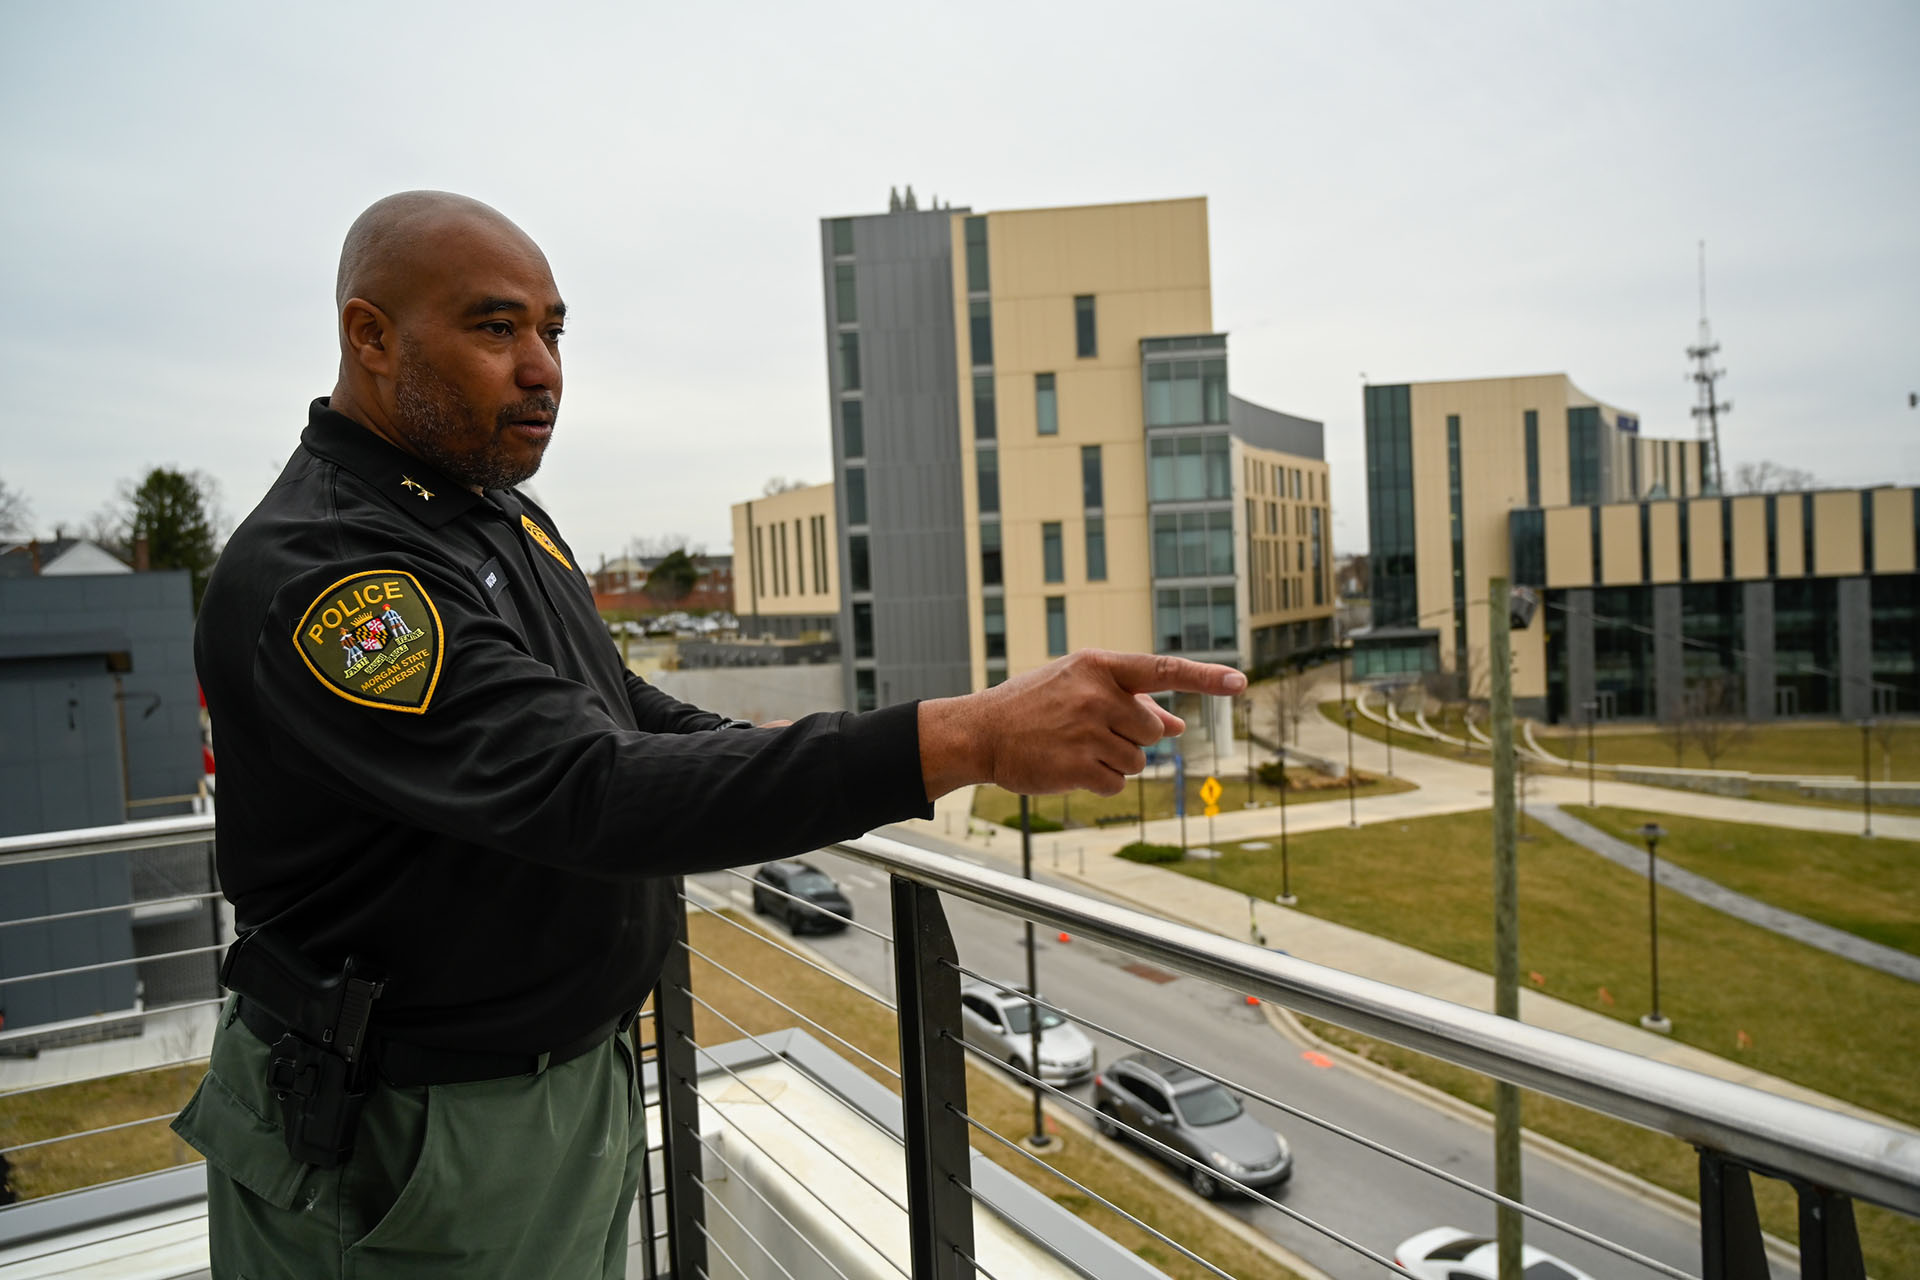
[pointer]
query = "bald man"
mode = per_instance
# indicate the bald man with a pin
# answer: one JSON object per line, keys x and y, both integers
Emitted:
{"x": 450, "y": 863}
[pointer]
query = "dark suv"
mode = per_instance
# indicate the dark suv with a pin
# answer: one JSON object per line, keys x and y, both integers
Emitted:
{"x": 824, "y": 909}
{"x": 1193, "y": 1115}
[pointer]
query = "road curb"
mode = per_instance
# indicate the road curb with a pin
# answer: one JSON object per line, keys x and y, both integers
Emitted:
{"x": 1067, "y": 1119}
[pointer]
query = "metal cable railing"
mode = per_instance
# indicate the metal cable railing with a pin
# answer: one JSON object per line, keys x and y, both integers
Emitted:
{"x": 760, "y": 886}
{"x": 768, "y": 996}
{"x": 785, "y": 950}
{"x": 1299, "y": 1113}
{"x": 118, "y": 908}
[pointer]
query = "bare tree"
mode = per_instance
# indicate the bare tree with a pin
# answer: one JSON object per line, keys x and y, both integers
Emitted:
{"x": 780, "y": 484}
{"x": 1770, "y": 477}
{"x": 16, "y": 513}
{"x": 1458, "y": 691}
{"x": 1717, "y": 723}
{"x": 661, "y": 545}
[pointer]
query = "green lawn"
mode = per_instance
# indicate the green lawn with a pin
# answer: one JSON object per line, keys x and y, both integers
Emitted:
{"x": 1866, "y": 887}
{"x": 1806, "y": 1015}
{"x": 1083, "y": 809}
{"x": 1794, "y": 748}
{"x": 1406, "y": 740}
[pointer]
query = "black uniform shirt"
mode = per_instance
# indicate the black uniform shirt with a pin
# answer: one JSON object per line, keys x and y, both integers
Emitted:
{"x": 431, "y": 755}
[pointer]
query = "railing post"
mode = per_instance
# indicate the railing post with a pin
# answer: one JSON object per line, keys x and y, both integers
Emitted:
{"x": 933, "y": 1085}
{"x": 680, "y": 1103}
{"x": 1829, "y": 1240}
{"x": 1730, "y": 1245}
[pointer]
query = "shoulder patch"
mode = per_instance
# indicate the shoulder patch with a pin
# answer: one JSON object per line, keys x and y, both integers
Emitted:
{"x": 374, "y": 638}
{"x": 539, "y": 535}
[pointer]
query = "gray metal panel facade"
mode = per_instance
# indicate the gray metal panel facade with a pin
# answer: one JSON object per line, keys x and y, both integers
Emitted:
{"x": 1757, "y": 609}
{"x": 1854, "y": 603}
{"x": 1669, "y": 662}
{"x": 1266, "y": 428}
{"x": 903, "y": 284}
{"x": 1579, "y": 650}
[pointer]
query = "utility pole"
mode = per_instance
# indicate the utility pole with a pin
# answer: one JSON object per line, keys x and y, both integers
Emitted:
{"x": 1506, "y": 922}
{"x": 1038, "y": 1138}
{"x": 1707, "y": 412}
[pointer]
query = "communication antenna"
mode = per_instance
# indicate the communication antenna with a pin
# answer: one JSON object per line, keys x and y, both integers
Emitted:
{"x": 1707, "y": 412}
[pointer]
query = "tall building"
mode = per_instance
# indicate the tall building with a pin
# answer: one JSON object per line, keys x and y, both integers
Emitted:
{"x": 1036, "y": 450}
{"x": 788, "y": 587}
{"x": 1660, "y": 597}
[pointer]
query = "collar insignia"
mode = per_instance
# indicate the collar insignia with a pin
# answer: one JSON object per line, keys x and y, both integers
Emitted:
{"x": 539, "y": 535}
{"x": 408, "y": 482}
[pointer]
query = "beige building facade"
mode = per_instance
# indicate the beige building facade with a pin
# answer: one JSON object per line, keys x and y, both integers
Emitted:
{"x": 786, "y": 557}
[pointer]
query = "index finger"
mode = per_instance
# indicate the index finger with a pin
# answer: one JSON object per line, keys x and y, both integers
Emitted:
{"x": 1163, "y": 673}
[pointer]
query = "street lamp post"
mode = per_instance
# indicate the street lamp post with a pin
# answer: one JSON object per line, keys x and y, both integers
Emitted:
{"x": 1592, "y": 708}
{"x": 1286, "y": 884}
{"x": 1038, "y": 1138}
{"x": 1651, "y": 833}
{"x": 1353, "y": 812}
{"x": 1866, "y": 776}
{"x": 1249, "y": 748}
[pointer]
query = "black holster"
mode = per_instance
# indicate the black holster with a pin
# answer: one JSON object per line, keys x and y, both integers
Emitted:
{"x": 318, "y": 1069}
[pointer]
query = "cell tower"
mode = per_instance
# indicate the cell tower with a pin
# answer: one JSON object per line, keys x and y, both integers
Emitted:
{"x": 1707, "y": 412}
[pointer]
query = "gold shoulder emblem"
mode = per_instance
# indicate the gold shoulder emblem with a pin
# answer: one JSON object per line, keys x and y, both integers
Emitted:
{"x": 374, "y": 638}
{"x": 539, "y": 535}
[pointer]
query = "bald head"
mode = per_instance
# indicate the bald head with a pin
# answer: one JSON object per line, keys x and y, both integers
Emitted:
{"x": 388, "y": 245}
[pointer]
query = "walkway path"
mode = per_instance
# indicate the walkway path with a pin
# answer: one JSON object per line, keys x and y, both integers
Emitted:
{"x": 1846, "y": 945}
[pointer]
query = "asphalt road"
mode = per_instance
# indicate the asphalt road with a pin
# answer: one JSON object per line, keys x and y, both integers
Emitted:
{"x": 1370, "y": 1198}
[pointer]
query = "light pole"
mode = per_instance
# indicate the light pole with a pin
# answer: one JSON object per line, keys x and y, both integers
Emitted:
{"x": 1592, "y": 708}
{"x": 1651, "y": 833}
{"x": 1249, "y": 747}
{"x": 1353, "y": 812}
{"x": 1389, "y": 741}
{"x": 1866, "y": 776}
{"x": 1286, "y": 884}
{"x": 1038, "y": 1138}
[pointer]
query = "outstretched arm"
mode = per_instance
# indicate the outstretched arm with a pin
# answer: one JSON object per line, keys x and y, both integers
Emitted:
{"x": 1082, "y": 721}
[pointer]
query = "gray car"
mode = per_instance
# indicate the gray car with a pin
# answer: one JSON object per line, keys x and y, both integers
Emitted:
{"x": 997, "y": 1021}
{"x": 1193, "y": 1115}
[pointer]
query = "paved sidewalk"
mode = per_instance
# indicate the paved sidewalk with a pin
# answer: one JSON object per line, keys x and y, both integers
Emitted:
{"x": 1838, "y": 942}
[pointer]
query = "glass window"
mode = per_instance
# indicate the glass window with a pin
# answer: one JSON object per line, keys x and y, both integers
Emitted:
{"x": 1052, "y": 562}
{"x": 1219, "y": 466}
{"x": 856, "y": 495}
{"x": 1186, "y": 391}
{"x": 1319, "y": 558}
{"x": 994, "y": 611}
{"x": 987, "y": 468}
{"x": 864, "y": 698}
{"x": 1220, "y": 542}
{"x": 990, "y": 555}
{"x": 1092, "y": 486}
{"x": 842, "y": 236}
{"x": 1221, "y": 614}
{"x": 1533, "y": 457}
{"x": 863, "y": 629}
{"x": 1086, "y": 342}
{"x": 1159, "y": 395}
{"x": 976, "y": 234}
{"x": 1193, "y": 544}
{"x": 845, "y": 309}
{"x": 853, "y": 426}
{"x": 986, "y": 418}
{"x": 1046, "y": 407}
{"x": 1056, "y": 626}
{"x": 1166, "y": 546}
{"x": 980, "y": 331}
{"x": 1213, "y": 390}
{"x": 1166, "y": 621}
{"x": 859, "y": 569}
{"x": 849, "y": 362}
{"x": 1096, "y": 549}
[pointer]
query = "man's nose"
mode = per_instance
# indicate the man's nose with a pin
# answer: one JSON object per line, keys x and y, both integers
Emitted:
{"x": 539, "y": 366}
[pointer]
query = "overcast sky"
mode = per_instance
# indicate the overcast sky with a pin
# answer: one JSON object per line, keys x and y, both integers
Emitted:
{"x": 1409, "y": 191}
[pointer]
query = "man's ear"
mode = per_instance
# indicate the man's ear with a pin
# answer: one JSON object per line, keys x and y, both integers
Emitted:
{"x": 370, "y": 339}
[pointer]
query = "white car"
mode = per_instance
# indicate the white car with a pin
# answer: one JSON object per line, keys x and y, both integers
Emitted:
{"x": 997, "y": 1021}
{"x": 1448, "y": 1253}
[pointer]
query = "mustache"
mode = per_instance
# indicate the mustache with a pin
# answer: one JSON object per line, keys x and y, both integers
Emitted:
{"x": 543, "y": 405}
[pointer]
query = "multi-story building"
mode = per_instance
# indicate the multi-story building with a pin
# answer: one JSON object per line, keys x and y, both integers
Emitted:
{"x": 789, "y": 584}
{"x": 1657, "y": 593}
{"x": 1037, "y": 450}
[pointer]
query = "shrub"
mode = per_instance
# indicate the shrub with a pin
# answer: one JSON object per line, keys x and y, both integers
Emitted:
{"x": 1142, "y": 851}
{"x": 1272, "y": 774}
{"x": 1035, "y": 823}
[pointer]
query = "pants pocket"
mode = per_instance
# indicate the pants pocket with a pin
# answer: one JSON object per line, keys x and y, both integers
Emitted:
{"x": 225, "y": 1122}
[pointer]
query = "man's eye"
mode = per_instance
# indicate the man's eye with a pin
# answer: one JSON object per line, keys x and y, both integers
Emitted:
{"x": 500, "y": 328}
{"x": 554, "y": 335}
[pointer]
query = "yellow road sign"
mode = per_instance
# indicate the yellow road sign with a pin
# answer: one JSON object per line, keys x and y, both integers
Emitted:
{"x": 1213, "y": 810}
{"x": 1210, "y": 792}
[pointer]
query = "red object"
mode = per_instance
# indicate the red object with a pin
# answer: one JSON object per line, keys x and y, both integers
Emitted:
{"x": 1253, "y": 999}
{"x": 1315, "y": 1058}
{"x": 206, "y": 759}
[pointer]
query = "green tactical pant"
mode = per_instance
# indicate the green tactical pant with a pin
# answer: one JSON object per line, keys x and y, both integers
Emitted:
{"x": 527, "y": 1176}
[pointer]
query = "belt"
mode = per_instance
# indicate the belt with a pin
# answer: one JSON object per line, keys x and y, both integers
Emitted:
{"x": 412, "y": 1064}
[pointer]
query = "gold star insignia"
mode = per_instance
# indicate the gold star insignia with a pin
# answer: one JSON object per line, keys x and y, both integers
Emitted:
{"x": 408, "y": 482}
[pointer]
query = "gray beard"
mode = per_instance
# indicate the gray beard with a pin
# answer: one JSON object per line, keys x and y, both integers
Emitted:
{"x": 439, "y": 423}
